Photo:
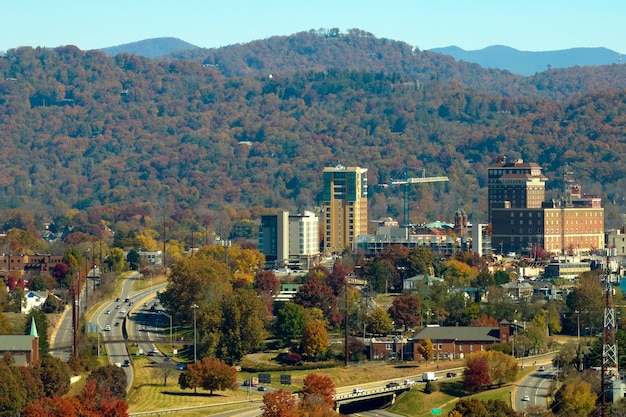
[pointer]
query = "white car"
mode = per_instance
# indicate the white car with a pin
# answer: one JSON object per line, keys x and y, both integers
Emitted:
{"x": 358, "y": 391}
{"x": 409, "y": 382}
{"x": 123, "y": 311}
{"x": 107, "y": 327}
{"x": 526, "y": 398}
{"x": 107, "y": 312}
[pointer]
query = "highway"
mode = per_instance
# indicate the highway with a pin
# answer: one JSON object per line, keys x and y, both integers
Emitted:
{"x": 533, "y": 390}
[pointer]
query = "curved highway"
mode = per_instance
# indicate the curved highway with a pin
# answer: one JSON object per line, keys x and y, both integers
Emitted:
{"x": 533, "y": 390}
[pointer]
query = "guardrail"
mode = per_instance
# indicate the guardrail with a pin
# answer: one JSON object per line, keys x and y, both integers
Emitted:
{"x": 367, "y": 393}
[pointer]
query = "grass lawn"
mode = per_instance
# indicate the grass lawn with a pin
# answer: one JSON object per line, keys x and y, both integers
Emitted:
{"x": 149, "y": 394}
{"x": 418, "y": 403}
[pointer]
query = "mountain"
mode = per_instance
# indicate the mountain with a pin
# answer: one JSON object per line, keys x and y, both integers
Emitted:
{"x": 210, "y": 133}
{"x": 529, "y": 63}
{"x": 150, "y": 48}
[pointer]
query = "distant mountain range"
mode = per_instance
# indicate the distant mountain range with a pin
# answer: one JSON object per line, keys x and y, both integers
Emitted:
{"x": 151, "y": 48}
{"x": 529, "y": 63}
{"x": 501, "y": 57}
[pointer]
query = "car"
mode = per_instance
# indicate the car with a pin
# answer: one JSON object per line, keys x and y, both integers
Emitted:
{"x": 181, "y": 366}
{"x": 358, "y": 391}
{"x": 126, "y": 299}
{"x": 107, "y": 327}
{"x": 117, "y": 307}
{"x": 118, "y": 364}
{"x": 262, "y": 388}
{"x": 117, "y": 300}
{"x": 526, "y": 398}
{"x": 542, "y": 368}
{"x": 107, "y": 312}
{"x": 409, "y": 382}
{"x": 451, "y": 374}
{"x": 393, "y": 385}
{"x": 123, "y": 311}
{"x": 117, "y": 323}
{"x": 144, "y": 328}
{"x": 126, "y": 363}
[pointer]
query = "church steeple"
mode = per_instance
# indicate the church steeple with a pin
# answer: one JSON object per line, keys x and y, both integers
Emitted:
{"x": 33, "y": 327}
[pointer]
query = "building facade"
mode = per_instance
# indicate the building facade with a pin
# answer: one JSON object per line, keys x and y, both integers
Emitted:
{"x": 521, "y": 223}
{"x": 289, "y": 240}
{"x": 344, "y": 207}
{"x": 519, "y": 184}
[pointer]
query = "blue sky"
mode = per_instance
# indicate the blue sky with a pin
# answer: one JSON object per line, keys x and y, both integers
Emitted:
{"x": 529, "y": 25}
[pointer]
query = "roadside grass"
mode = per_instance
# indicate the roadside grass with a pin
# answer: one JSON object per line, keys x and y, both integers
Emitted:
{"x": 355, "y": 374}
{"x": 149, "y": 394}
{"x": 416, "y": 402}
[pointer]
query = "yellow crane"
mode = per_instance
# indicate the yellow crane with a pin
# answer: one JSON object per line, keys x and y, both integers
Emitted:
{"x": 405, "y": 182}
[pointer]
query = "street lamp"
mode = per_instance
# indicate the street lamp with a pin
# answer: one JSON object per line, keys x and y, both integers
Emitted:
{"x": 578, "y": 316}
{"x": 170, "y": 317}
{"x": 195, "y": 357}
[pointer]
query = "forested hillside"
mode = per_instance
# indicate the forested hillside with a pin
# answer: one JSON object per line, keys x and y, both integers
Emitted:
{"x": 82, "y": 130}
{"x": 358, "y": 50}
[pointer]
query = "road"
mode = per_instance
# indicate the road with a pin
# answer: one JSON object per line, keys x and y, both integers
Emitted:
{"x": 110, "y": 318}
{"x": 533, "y": 390}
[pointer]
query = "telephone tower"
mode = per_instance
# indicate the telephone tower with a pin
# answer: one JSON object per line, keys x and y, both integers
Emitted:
{"x": 609, "y": 344}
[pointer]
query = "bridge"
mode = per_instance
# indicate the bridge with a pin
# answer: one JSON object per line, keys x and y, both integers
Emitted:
{"x": 391, "y": 392}
{"x": 102, "y": 341}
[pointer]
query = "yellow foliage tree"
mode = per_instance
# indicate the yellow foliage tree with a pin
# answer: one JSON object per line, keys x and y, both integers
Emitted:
{"x": 315, "y": 339}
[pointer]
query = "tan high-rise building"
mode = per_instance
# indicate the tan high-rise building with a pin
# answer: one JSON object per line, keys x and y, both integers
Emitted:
{"x": 520, "y": 184}
{"x": 345, "y": 207}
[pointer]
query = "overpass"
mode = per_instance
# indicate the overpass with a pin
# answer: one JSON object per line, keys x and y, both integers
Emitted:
{"x": 391, "y": 392}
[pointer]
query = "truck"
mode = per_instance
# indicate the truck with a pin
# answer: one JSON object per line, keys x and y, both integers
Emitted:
{"x": 428, "y": 376}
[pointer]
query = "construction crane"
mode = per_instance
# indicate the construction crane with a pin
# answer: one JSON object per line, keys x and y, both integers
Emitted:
{"x": 404, "y": 180}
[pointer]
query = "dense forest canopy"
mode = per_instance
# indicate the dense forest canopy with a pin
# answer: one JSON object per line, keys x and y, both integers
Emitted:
{"x": 82, "y": 130}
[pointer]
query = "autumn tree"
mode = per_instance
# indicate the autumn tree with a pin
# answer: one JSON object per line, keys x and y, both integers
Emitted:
{"x": 199, "y": 279}
{"x": 314, "y": 339}
{"x": 209, "y": 374}
{"x": 318, "y": 387}
{"x": 13, "y": 394}
{"x": 265, "y": 282}
{"x": 99, "y": 402}
{"x": 280, "y": 403}
{"x": 405, "y": 311}
{"x": 425, "y": 348}
{"x": 379, "y": 322}
{"x": 470, "y": 407}
{"x": 54, "y": 375}
{"x": 110, "y": 378}
{"x": 574, "y": 398}
{"x": 476, "y": 374}
{"x": 51, "y": 407}
{"x": 503, "y": 368}
{"x": 315, "y": 294}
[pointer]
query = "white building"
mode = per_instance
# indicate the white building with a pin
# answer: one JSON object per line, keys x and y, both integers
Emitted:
{"x": 289, "y": 239}
{"x": 33, "y": 299}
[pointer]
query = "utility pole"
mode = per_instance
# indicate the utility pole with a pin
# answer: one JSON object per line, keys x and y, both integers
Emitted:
{"x": 346, "y": 335}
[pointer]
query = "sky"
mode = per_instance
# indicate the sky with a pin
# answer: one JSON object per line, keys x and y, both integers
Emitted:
{"x": 529, "y": 25}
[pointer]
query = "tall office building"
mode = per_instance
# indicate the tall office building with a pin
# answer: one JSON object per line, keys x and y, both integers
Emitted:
{"x": 344, "y": 206}
{"x": 520, "y": 184}
{"x": 521, "y": 221}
